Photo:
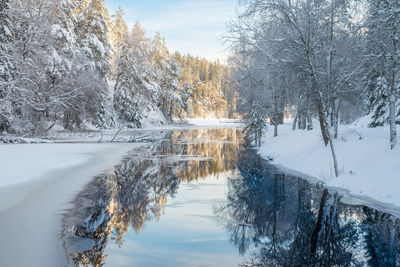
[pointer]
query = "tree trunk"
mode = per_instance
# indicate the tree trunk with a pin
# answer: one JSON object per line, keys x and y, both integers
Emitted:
{"x": 309, "y": 122}
{"x": 322, "y": 117}
{"x": 303, "y": 118}
{"x": 296, "y": 114}
{"x": 336, "y": 118}
{"x": 335, "y": 165}
{"x": 392, "y": 103}
{"x": 309, "y": 117}
{"x": 276, "y": 116}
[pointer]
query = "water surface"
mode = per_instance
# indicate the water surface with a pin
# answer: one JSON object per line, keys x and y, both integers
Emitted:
{"x": 204, "y": 198}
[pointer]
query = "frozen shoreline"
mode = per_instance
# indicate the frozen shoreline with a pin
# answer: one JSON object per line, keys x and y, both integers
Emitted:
{"x": 29, "y": 222}
{"x": 369, "y": 170}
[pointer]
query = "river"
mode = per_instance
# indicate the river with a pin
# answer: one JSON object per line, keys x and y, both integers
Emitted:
{"x": 205, "y": 198}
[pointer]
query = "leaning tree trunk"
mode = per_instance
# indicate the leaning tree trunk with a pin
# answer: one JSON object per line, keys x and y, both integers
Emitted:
{"x": 324, "y": 125}
{"x": 321, "y": 116}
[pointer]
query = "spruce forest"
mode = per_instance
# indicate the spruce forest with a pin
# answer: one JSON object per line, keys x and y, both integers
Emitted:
{"x": 71, "y": 64}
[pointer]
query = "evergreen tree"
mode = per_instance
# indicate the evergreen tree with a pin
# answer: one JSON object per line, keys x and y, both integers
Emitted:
{"x": 134, "y": 86}
{"x": 119, "y": 28}
{"x": 166, "y": 72}
{"x": 127, "y": 82}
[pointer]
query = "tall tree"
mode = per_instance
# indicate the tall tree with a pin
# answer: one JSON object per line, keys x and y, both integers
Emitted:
{"x": 383, "y": 63}
{"x": 166, "y": 72}
{"x": 132, "y": 95}
{"x": 92, "y": 30}
{"x": 119, "y": 28}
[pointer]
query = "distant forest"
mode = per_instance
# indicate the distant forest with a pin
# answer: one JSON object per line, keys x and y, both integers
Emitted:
{"x": 70, "y": 65}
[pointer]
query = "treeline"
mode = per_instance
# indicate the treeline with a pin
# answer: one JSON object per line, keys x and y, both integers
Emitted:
{"x": 334, "y": 60}
{"x": 70, "y": 64}
{"x": 209, "y": 84}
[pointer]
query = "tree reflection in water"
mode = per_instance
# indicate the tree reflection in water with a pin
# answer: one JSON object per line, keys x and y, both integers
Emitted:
{"x": 139, "y": 187}
{"x": 286, "y": 221}
{"x": 273, "y": 219}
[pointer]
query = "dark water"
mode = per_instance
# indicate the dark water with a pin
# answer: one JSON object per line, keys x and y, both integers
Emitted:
{"x": 204, "y": 198}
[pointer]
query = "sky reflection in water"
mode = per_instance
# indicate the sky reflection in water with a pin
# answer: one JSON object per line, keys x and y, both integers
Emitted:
{"x": 199, "y": 198}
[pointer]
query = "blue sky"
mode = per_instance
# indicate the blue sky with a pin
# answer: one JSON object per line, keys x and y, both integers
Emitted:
{"x": 188, "y": 26}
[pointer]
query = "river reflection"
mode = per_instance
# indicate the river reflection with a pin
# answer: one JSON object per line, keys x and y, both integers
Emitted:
{"x": 271, "y": 219}
{"x": 285, "y": 221}
{"x": 139, "y": 187}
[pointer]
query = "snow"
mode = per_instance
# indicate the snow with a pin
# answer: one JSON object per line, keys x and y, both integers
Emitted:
{"x": 25, "y": 162}
{"x": 367, "y": 165}
{"x": 154, "y": 117}
{"x": 25, "y": 209}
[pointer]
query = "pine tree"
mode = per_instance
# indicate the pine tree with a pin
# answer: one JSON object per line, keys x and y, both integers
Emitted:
{"x": 256, "y": 122}
{"x": 80, "y": 6}
{"x": 119, "y": 28}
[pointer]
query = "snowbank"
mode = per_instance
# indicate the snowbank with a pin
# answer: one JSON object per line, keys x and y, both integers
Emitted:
{"x": 41, "y": 180}
{"x": 24, "y": 162}
{"x": 367, "y": 165}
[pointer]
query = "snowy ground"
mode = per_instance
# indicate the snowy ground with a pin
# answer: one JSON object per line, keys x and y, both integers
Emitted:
{"x": 367, "y": 165}
{"x": 33, "y": 174}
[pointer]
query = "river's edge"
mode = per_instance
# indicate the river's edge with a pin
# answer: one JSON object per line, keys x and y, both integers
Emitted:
{"x": 32, "y": 224}
{"x": 348, "y": 197}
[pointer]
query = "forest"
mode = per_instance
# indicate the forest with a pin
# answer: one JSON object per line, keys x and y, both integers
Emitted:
{"x": 334, "y": 61}
{"x": 71, "y": 65}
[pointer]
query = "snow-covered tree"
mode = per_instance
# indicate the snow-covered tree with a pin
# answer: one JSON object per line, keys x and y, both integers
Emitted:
{"x": 119, "y": 28}
{"x": 256, "y": 122}
{"x": 134, "y": 87}
{"x": 92, "y": 32}
{"x": 383, "y": 64}
{"x": 6, "y": 68}
{"x": 305, "y": 54}
{"x": 166, "y": 71}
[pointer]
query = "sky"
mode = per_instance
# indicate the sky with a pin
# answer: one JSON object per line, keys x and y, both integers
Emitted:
{"x": 189, "y": 26}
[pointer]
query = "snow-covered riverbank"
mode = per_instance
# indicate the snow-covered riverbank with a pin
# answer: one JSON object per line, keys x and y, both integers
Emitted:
{"x": 367, "y": 165}
{"x": 37, "y": 182}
